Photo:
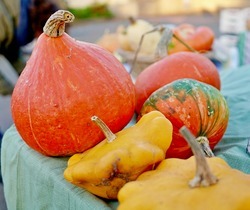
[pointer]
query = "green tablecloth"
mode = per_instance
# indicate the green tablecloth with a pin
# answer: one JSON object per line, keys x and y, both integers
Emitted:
{"x": 33, "y": 181}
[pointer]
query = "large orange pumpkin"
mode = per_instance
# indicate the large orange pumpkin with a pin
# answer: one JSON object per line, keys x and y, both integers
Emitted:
{"x": 64, "y": 83}
{"x": 198, "y": 106}
{"x": 175, "y": 66}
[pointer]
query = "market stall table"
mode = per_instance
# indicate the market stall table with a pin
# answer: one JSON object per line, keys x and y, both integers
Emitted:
{"x": 34, "y": 181}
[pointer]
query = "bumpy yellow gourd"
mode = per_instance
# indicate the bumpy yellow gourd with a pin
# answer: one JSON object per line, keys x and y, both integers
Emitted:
{"x": 167, "y": 187}
{"x": 121, "y": 157}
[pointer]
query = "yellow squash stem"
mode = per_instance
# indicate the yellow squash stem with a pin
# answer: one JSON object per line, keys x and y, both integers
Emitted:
{"x": 204, "y": 176}
{"x": 110, "y": 136}
{"x": 55, "y": 25}
{"x": 204, "y": 143}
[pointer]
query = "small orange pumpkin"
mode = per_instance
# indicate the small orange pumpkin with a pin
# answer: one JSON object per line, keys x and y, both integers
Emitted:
{"x": 64, "y": 83}
{"x": 199, "y": 38}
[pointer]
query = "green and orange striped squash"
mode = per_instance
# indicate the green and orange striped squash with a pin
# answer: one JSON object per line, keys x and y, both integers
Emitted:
{"x": 199, "y": 106}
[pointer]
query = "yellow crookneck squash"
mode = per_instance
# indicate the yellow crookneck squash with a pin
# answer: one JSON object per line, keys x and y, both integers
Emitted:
{"x": 121, "y": 157}
{"x": 216, "y": 185}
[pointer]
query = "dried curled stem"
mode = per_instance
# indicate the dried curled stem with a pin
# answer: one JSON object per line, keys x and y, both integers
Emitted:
{"x": 55, "y": 25}
{"x": 204, "y": 177}
{"x": 110, "y": 136}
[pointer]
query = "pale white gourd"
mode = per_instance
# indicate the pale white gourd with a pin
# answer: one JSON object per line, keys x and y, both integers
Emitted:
{"x": 134, "y": 33}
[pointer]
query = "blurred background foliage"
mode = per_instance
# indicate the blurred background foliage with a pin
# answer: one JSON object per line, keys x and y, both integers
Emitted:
{"x": 92, "y": 11}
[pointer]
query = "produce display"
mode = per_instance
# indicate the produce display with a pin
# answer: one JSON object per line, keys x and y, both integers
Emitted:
{"x": 172, "y": 185}
{"x": 64, "y": 83}
{"x": 128, "y": 37}
{"x": 197, "y": 105}
{"x": 121, "y": 157}
{"x": 138, "y": 143}
{"x": 141, "y": 43}
{"x": 176, "y": 66}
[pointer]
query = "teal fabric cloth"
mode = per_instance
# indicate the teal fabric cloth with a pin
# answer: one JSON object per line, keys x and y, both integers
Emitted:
{"x": 236, "y": 89}
{"x": 243, "y": 48}
{"x": 33, "y": 181}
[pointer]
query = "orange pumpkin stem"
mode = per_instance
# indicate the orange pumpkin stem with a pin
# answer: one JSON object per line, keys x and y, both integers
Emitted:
{"x": 55, "y": 25}
{"x": 110, "y": 136}
{"x": 204, "y": 177}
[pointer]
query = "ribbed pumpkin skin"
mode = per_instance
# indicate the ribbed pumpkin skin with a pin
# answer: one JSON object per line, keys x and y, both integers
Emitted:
{"x": 173, "y": 67}
{"x": 64, "y": 83}
{"x": 199, "y": 106}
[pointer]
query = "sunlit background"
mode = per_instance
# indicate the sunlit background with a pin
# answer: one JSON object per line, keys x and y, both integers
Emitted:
{"x": 162, "y": 7}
